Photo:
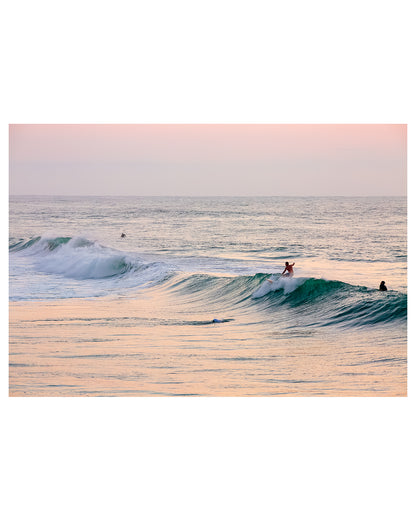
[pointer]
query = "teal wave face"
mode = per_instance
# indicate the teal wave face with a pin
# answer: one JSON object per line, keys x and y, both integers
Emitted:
{"x": 372, "y": 309}
{"x": 314, "y": 290}
{"x": 21, "y": 244}
{"x": 46, "y": 243}
{"x": 330, "y": 302}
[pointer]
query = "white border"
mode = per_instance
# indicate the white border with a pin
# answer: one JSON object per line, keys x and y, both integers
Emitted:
{"x": 192, "y": 62}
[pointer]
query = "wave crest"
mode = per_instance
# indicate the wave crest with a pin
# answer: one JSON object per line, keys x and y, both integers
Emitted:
{"x": 81, "y": 258}
{"x": 307, "y": 301}
{"x": 332, "y": 302}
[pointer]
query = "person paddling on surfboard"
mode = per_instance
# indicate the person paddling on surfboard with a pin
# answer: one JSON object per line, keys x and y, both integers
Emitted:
{"x": 289, "y": 269}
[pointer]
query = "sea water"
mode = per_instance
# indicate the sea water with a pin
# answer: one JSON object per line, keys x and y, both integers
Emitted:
{"x": 95, "y": 313}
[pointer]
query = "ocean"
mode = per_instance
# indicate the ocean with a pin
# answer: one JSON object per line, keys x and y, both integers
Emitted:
{"x": 93, "y": 313}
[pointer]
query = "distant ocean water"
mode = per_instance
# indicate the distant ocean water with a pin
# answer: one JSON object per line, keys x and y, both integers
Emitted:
{"x": 205, "y": 258}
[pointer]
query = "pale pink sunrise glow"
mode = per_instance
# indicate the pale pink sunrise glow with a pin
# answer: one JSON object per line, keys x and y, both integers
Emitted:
{"x": 208, "y": 159}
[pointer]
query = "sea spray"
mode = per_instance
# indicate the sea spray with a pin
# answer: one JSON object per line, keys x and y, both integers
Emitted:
{"x": 80, "y": 259}
{"x": 272, "y": 283}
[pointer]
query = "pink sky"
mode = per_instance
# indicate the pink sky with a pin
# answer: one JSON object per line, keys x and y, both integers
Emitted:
{"x": 208, "y": 159}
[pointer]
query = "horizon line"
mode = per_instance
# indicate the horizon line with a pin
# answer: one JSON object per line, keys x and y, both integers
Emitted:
{"x": 193, "y": 196}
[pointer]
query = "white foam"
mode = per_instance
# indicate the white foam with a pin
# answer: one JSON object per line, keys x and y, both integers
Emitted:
{"x": 287, "y": 284}
{"x": 81, "y": 267}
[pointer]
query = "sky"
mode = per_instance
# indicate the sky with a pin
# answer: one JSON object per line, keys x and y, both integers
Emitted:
{"x": 208, "y": 159}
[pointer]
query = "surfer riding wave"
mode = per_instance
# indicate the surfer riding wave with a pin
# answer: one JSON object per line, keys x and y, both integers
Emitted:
{"x": 287, "y": 273}
{"x": 289, "y": 269}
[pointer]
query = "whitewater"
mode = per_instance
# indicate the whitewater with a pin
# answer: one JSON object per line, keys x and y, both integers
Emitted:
{"x": 184, "y": 262}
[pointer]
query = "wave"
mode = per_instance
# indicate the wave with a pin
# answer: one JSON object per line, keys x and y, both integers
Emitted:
{"x": 294, "y": 301}
{"x": 81, "y": 258}
{"x": 301, "y": 301}
{"x": 331, "y": 302}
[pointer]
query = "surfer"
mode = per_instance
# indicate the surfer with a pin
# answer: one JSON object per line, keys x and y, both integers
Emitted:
{"x": 123, "y": 235}
{"x": 289, "y": 274}
{"x": 382, "y": 286}
{"x": 289, "y": 269}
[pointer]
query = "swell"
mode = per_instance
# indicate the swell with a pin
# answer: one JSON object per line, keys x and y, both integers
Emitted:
{"x": 331, "y": 302}
{"x": 303, "y": 301}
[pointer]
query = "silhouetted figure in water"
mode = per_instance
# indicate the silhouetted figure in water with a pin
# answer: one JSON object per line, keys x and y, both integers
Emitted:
{"x": 123, "y": 235}
{"x": 382, "y": 286}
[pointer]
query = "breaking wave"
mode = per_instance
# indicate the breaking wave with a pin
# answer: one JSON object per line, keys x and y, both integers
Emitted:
{"x": 100, "y": 270}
